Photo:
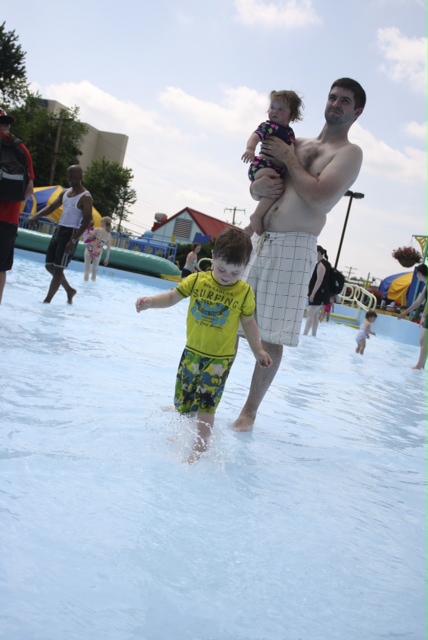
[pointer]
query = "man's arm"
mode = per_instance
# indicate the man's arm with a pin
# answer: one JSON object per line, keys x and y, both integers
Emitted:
{"x": 270, "y": 185}
{"x": 47, "y": 211}
{"x": 414, "y": 306}
{"x": 336, "y": 178}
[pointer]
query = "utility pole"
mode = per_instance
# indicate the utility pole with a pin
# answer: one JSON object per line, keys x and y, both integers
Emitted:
{"x": 235, "y": 209}
{"x": 350, "y": 270}
{"x": 56, "y": 147}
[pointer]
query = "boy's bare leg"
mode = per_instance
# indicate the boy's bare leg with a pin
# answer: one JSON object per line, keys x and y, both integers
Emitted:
{"x": 260, "y": 383}
{"x": 204, "y": 425}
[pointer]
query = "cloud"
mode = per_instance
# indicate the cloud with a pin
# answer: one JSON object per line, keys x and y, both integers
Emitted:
{"x": 382, "y": 160}
{"x": 239, "y": 107}
{"x": 406, "y": 58}
{"x": 290, "y": 14}
{"x": 417, "y": 130}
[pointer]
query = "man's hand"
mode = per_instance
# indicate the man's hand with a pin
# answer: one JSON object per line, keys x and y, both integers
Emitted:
{"x": 32, "y": 221}
{"x": 269, "y": 185}
{"x": 277, "y": 148}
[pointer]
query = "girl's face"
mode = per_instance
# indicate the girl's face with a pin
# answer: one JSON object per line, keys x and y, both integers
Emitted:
{"x": 279, "y": 112}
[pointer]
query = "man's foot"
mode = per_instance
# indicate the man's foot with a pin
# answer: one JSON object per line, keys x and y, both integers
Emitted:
{"x": 419, "y": 368}
{"x": 46, "y": 301}
{"x": 245, "y": 422}
{"x": 70, "y": 296}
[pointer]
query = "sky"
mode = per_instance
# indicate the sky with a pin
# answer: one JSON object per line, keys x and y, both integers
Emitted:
{"x": 189, "y": 81}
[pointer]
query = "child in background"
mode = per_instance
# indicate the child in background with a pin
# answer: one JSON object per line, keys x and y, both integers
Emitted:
{"x": 94, "y": 240}
{"x": 365, "y": 332}
{"x": 326, "y": 310}
{"x": 219, "y": 301}
{"x": 285, "y": 107}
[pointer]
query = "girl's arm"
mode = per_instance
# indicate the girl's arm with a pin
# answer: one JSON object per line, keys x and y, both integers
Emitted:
{"x": 320, "y": 277}
{"x": 414, "y": 306}
{"x": 162, "y": 301}
{"x": 108, "y": 245}
{"x": 250, "y": 151}
{"x": 251, "y": 331}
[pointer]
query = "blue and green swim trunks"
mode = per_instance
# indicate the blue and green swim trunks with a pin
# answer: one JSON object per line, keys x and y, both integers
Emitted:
{"x": 200, "y": 382}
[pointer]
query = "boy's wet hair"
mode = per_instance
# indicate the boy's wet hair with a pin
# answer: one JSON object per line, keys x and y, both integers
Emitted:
{"x": 355, "y": 87}
{"x": 371, "y": 314}
{"x": 292, "y": 100}
{"x": 233, "y": 246}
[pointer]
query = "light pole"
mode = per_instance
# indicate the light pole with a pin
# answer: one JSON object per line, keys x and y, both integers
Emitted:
{"x": 351, "y": 195}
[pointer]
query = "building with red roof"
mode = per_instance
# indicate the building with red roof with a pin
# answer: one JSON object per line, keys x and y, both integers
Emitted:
{"x": 188, "y": 226}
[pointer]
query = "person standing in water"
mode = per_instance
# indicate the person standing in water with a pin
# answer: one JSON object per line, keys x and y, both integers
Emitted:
{"x": 95, "y": 240}
{"x": 76, "y": 218}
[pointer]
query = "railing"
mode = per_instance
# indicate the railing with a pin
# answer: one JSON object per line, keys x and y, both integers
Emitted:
{"x": 154, "y": 246}
{"x": 357, "y": 296}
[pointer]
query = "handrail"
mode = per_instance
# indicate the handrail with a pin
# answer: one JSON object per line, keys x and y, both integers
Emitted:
{"x": 354, "y": 295}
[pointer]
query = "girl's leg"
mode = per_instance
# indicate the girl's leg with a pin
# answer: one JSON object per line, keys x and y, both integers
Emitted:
{"x": 256, "y": 218}
{"x": 312, "y": 319}
{"x": 362, "y": 346}
{"x": 423, "y": 351}
{"x": 87, "y": 258}
{"x": 95, "y": 264}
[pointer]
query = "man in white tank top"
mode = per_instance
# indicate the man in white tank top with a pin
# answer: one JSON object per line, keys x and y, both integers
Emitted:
{"x": 76, "y": 218}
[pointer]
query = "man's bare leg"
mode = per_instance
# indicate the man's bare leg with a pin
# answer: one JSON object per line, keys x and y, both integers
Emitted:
{"x": 260, "y": 383}
{"x": 58, "y": 280}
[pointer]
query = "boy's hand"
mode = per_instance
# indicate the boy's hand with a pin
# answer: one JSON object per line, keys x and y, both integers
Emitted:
{"x": 248, "y": 156}
{"x": 264, "y": 359}
{"x": 143, "y": 304}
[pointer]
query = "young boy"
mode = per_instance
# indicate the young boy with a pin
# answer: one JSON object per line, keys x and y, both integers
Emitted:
{"x": 365, "y": 332}
{"x": 219, "y": 301}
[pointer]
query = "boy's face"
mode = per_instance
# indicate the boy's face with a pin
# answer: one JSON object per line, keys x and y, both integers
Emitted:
{"x": 227, "y": 273}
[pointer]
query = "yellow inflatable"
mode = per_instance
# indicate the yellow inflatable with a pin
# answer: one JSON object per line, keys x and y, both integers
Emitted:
{"x": 44, "y": 196}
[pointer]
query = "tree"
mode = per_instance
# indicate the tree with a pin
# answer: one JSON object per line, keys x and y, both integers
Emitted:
{"x": 109, "y": 184}
{"x": 127, "y": 197}
{"x": 13, "y": 76}
{"x": 53, "y": 140}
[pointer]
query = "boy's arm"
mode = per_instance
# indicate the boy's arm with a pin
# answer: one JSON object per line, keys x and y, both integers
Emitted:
{"x": 250, "y": 151}
{"x": 251, "y": 331}
{"x": 162, "y": 301}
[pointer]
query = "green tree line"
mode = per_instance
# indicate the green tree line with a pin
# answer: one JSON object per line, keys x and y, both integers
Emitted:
{"x": 54, "y": 140}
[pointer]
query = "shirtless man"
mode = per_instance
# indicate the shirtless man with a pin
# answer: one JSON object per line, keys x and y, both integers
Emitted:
{"x": 76, "y": 218}
{"x": 319, "y": 172}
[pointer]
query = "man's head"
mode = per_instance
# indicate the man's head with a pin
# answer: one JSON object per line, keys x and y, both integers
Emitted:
{"x": 346, "y": 102}
{"x": 231, "y": 253}
{"x": 5, "y": 120}
{"x": 74, "y": 175}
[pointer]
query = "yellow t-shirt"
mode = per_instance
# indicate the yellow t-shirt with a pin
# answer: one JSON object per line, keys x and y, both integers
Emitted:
{"x": 214, "y": 313}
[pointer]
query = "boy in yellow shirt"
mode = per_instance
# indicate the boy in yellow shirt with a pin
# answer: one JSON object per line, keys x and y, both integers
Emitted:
{"x": 219, "y": 301}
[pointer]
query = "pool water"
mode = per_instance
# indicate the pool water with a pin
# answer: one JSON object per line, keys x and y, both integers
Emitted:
{"x": 311, "y": 527}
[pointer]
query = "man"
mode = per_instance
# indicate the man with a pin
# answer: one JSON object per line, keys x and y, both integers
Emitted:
{"x": 9, "y": 211}
{"x": 75, "y": 219}
{"x": 319, "y": 172}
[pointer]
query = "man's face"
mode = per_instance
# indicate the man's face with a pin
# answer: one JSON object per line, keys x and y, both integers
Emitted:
{"x": 340, "y": 108}
{"x": 74, "y": 176}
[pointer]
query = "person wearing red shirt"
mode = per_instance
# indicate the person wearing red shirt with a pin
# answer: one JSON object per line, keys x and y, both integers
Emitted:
{"x": 9, "y": 211}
